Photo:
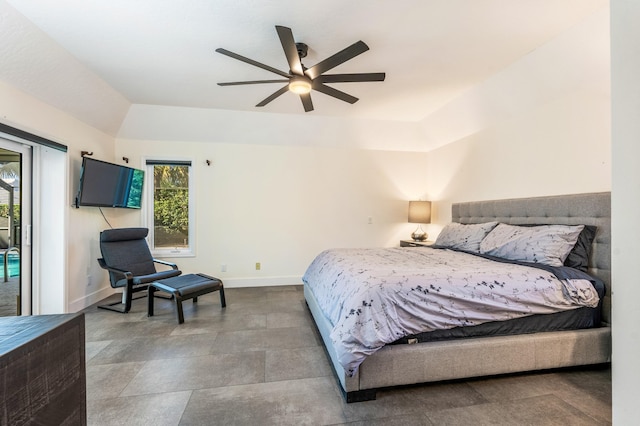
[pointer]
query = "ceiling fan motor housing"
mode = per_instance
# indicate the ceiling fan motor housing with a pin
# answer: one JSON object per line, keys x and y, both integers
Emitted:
{"x": 302, "y": 50}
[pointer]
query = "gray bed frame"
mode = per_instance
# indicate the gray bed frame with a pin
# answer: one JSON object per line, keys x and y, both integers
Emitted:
{"x": 396, "y": 365}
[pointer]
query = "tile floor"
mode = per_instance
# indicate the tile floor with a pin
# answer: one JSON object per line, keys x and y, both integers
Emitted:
{"x": 260, "y": 362}
{"x": 9, "y": 292}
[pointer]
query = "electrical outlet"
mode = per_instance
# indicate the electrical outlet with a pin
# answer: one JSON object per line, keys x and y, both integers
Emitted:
{"x": 257, "y": 266}
{"x": 223, "y": 268}
{"x": 88, "y": 280}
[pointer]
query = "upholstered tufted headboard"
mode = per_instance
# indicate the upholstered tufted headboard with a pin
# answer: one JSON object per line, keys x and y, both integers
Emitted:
{"x": 576, "y": 209}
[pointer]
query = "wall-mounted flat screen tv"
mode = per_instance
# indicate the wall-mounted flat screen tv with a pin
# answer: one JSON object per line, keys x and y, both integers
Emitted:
{"x": 105, "y": 184}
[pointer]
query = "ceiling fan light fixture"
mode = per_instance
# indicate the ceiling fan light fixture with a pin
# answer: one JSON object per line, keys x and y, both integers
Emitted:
{"x": 300, "y": 85}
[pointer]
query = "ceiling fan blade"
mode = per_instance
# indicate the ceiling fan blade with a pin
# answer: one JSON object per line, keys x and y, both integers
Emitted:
{"x": 320, "y": 87}
{"x": 290, "y": 49}
{"x": 252, "y": 62}
{"x": 238, "y": 83}
{"x": 273, "y": 96}
{"x": 333, "y": 61}
{"x": 306, "y": 102}
{"x": 351, "y": 78}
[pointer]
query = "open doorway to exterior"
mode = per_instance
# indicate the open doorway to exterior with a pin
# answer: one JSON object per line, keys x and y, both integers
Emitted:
{"x": 11, "y": 220}
{"x": 10, "y": 232}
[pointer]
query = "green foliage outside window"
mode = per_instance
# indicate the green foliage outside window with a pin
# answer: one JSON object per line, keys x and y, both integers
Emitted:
{"x": 171, "y": 205}
{"x": 4, "y": 212}
{"x": 7, "y": 228}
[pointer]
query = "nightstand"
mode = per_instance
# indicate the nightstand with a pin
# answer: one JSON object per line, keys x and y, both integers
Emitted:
{"x": 412, "y": 243}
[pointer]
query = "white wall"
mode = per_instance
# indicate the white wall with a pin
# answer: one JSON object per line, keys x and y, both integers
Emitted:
{"x": 562, "y": 147}
{"x": 167, "y": 123}
{"x": 625, "y": 205}
{"x": 548, "y": 135}
{"x": 36, "y": 64}
{"x": 281, "y": 205}
{"x": 576, "y": 61}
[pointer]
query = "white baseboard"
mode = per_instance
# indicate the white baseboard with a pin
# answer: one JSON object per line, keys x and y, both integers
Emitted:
{"x": 88, "y": 300}
{"x": 262, "y": 281}
{"x": 91, "y": 298}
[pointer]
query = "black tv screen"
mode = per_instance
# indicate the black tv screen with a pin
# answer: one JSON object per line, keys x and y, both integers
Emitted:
{"x": 105, "y": 184}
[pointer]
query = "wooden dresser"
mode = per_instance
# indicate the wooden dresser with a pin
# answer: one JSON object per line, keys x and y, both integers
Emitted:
{"x": 42, "y": 370}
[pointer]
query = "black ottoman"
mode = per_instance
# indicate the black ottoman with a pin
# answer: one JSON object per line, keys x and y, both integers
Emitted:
{"x": 186, "y": 287}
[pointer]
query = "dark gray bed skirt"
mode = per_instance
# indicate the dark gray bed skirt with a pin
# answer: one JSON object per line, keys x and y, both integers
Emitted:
{"x": 575, "y": 319}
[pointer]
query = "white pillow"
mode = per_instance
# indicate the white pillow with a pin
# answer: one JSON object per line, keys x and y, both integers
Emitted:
{"x": 464, "y": 237}
{"x": 546, "y": 244}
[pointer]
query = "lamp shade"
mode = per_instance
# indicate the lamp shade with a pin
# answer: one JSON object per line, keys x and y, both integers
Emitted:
{"x": 419, "y": 211}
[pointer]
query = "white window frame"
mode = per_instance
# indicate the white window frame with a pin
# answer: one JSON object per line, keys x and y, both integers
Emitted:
{"x": 149, "y": 203}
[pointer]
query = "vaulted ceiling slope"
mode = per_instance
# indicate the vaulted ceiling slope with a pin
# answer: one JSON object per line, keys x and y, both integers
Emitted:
{"x": 96, "y": 58}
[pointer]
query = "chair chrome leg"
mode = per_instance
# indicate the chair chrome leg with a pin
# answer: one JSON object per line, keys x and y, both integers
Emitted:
{"x": 124, "y": 306}
{"x": 115, "y": 307}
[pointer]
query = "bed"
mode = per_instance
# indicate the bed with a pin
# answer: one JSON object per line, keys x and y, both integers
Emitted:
{"x": 406, "y": 362}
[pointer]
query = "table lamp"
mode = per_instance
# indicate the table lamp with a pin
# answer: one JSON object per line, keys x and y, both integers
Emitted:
{"x": 419, "y": 212}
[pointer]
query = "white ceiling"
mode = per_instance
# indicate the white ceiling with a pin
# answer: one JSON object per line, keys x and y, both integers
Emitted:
{"x": 161, "y": 52}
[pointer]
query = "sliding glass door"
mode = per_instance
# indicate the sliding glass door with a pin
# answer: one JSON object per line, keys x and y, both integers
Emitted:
{"x": 15, "y": 227}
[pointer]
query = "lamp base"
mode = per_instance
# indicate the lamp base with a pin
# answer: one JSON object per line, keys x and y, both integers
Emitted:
{"x": 419, "y": 234}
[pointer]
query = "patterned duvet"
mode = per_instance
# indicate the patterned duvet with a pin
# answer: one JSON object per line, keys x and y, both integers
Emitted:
{"x": 373, "y": 297}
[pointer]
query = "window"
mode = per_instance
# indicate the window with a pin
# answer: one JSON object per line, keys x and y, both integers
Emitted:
{"x": 169, "y": 207}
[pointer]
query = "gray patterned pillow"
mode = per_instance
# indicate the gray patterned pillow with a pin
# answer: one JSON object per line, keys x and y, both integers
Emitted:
{"x": 464, "y": 237}
{"x": 546, "y": 244}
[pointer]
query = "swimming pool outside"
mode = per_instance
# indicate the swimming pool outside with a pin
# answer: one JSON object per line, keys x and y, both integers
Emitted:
{"x": 13, "y": 264}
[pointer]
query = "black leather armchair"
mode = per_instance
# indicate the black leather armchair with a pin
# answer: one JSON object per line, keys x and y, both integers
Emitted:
{"x": 126, "y": 255}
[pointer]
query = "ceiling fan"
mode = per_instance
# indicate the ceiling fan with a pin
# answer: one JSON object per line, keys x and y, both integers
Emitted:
{"x": 300, "y": 79}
